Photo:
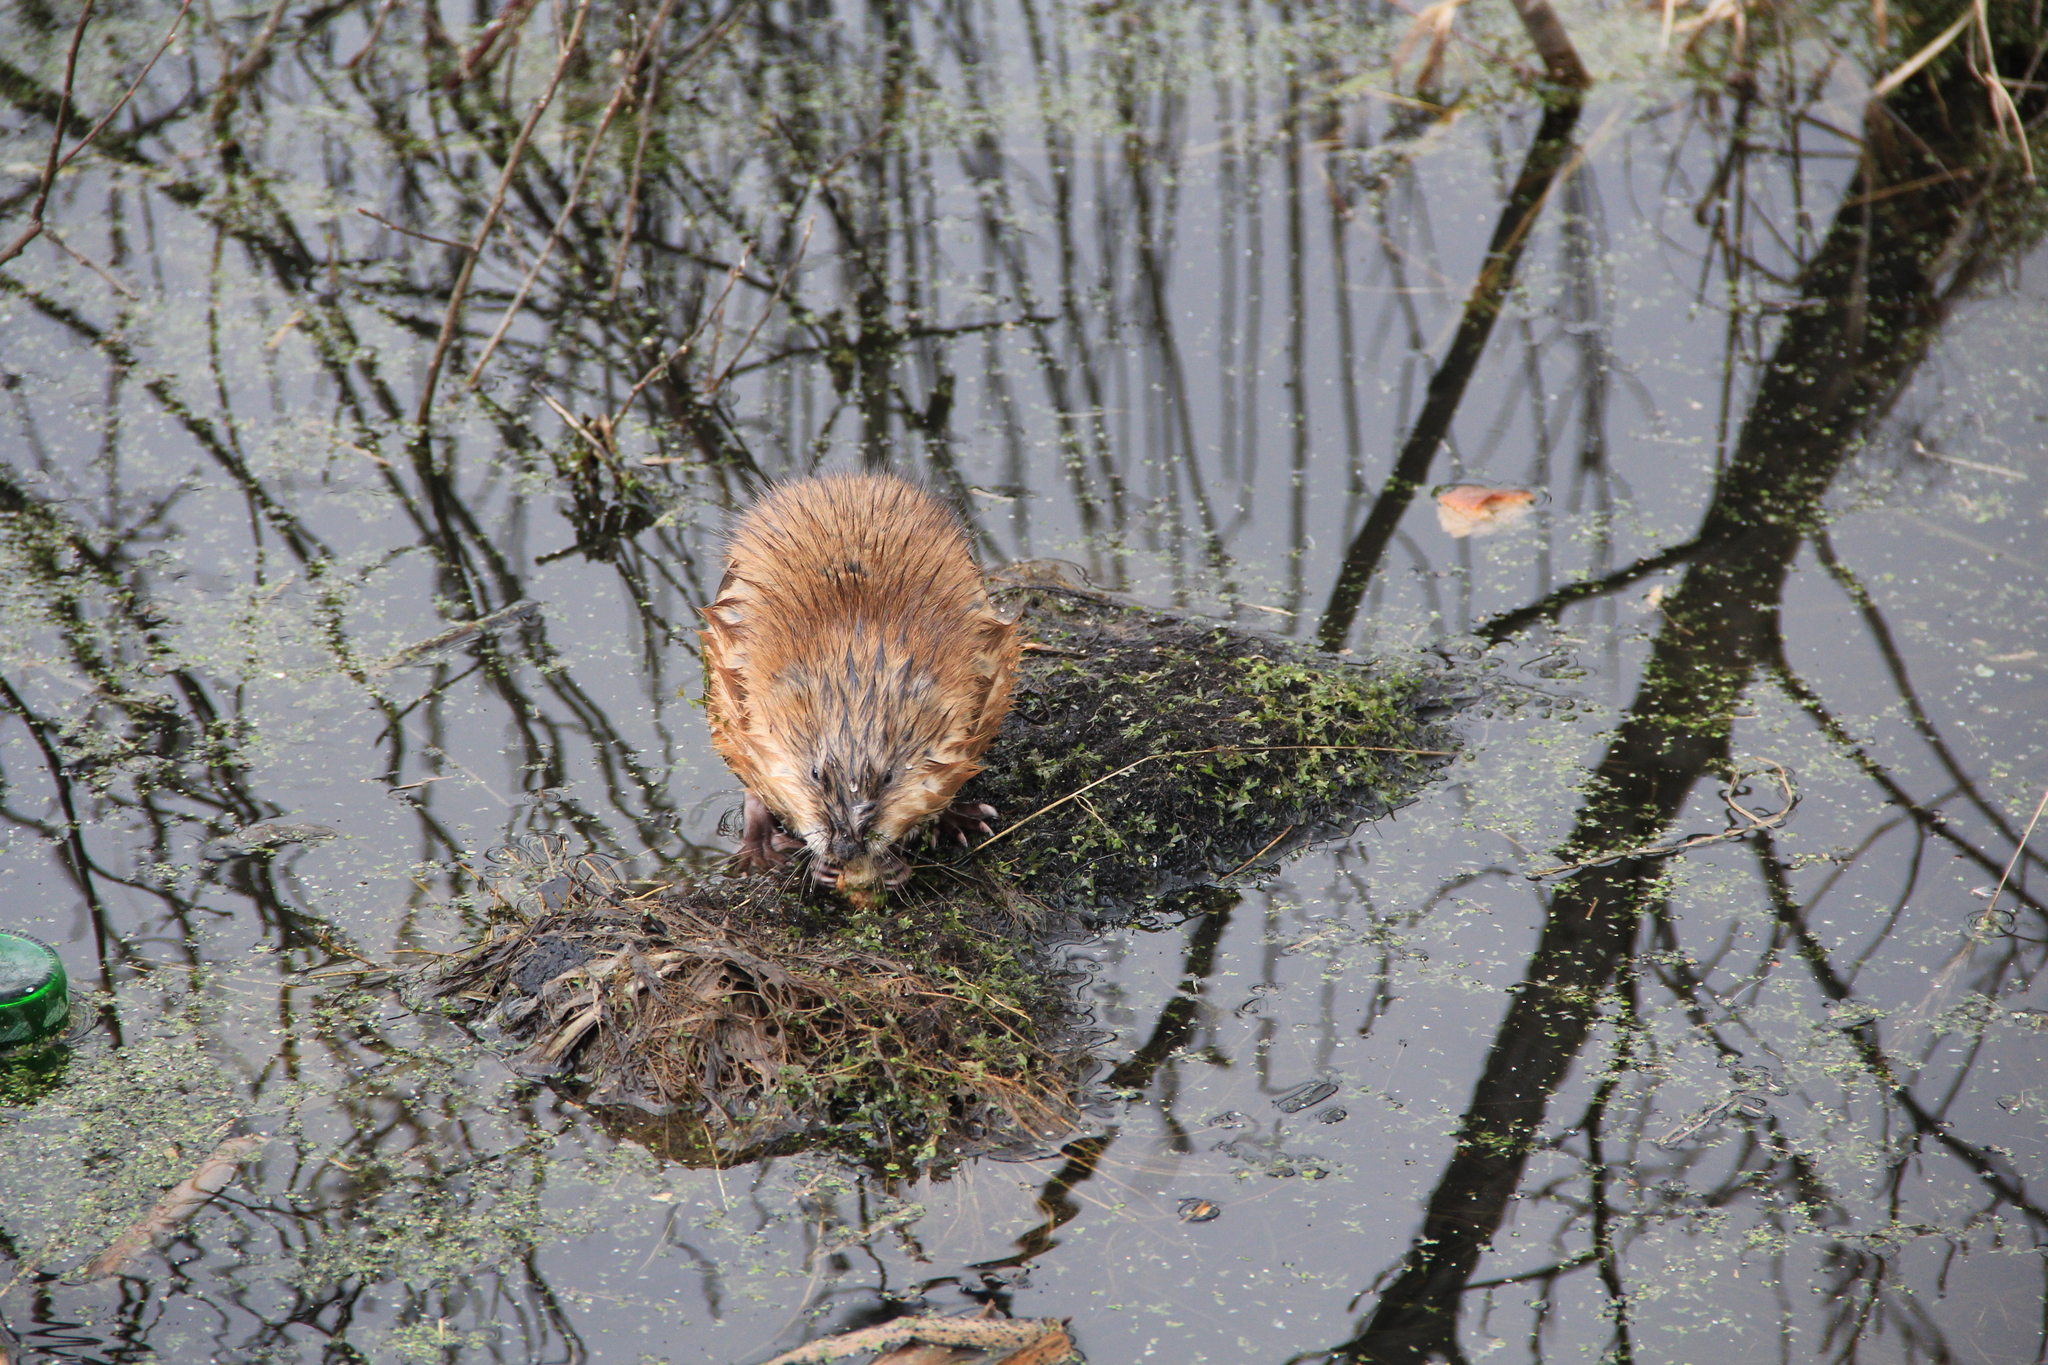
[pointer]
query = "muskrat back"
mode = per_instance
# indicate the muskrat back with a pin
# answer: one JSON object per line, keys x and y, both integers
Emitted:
{"x": 855, "y": 670}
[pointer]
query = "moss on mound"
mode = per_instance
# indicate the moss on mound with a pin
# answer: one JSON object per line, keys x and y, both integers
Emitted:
{"x": 1151, "y": 755}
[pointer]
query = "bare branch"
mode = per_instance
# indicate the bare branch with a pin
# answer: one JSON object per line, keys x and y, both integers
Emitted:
{"x": 50, "y": 167}
{"x": 453, "y": 317}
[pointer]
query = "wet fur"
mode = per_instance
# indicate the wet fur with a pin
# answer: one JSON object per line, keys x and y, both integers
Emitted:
{"x": 855, "y": 670}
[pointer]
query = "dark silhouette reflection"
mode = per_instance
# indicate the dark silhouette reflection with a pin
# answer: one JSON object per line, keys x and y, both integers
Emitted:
{"x": 1921, "y": 221}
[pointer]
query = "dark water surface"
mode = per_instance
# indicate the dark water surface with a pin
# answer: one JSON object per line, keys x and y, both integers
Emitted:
{"x": 1178, "y": 294}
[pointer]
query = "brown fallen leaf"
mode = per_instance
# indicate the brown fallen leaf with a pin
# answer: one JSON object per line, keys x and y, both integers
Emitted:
{"x": 1020, "y": 1342}
{"x": 1477, "y": 509}
{"x": 1054, "y": 1348}
{"x": 177, "y": 1206}
{"x": 924, "y": 1353}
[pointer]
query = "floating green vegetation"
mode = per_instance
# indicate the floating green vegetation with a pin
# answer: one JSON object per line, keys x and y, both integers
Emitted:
{"x": 1152, "y": 756}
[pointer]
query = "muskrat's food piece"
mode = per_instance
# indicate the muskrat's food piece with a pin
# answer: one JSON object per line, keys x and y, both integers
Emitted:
{"x": 854, "y": 671}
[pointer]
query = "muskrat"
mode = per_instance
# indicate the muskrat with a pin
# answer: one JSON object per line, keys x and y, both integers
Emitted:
{"x": 854, "y": 671}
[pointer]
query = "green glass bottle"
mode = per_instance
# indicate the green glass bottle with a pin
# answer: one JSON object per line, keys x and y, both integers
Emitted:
{"x": 35, "y": 996}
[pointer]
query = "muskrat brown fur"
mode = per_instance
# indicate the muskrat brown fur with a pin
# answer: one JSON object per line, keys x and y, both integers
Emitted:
{"x": 854, "y": 671}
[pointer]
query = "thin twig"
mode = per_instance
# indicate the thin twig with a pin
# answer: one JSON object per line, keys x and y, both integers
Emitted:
{"x": 51, "y": 164}
{"x": 1256, "y": 856}
{"x": 1921, "y": 58}
{"x": 88, "y": 263}
{"x": 1755, "y": 823}
{"x": 682, "y": 348}
{"x": 632, "y": 213}
{"x": 1078, "y": 792}
{"x": 579, "y": 428}
{"x": 414, "y": 232}
{"x": 711, "y": 32}
{"x": 376, "y": 29}
{"x": 481, "y": 53}
{"x": 245, "y": 70}
{"x": 712, "y": 386}
{"x": 453, "y": 317}
{"x": 2018, "y": 852}
{"x": 2003, "y": 109}
{"x": 170, "y": 35}
{"x": 1979, "y": 930}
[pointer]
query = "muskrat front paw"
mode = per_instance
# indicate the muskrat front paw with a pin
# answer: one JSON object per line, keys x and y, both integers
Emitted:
{"x": 759, "y": 857}
{"x": 763, "y": 845}
{"x": 961, "y": 817}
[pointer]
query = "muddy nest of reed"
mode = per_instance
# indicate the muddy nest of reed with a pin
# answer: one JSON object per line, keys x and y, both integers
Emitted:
{"x": 1152, "y": 761}
{"x": 728, "y": 1018}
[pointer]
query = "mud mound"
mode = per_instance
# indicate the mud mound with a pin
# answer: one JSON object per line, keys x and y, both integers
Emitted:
{"x": 1150, "y": 760}
{"x": 1152, "y": 755}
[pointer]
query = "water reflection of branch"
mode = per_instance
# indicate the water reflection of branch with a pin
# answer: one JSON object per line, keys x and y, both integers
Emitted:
{"x": 1548, "y": 153}
{"x": 1175, "y": 1026}
{"x": 1929, "y": 820}
{"x": 1923, "y": 724}
{"x": 1552, "y": 604}
{"x": 1881, "y": 280}
{"x": 1928, "y": 1123}
{"x": 452, "y": 317}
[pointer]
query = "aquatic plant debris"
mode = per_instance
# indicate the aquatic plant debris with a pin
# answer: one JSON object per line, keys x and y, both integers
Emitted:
{"x": 178, "y": 1205}
{"x": 723, "y": 1017}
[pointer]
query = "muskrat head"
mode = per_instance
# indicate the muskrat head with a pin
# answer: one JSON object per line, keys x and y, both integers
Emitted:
{"x": 864, "y": 877}
{"x": 852, "y": 852}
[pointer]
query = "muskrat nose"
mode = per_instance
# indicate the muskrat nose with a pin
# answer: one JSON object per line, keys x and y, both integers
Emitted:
{"x": 841, "y": 849}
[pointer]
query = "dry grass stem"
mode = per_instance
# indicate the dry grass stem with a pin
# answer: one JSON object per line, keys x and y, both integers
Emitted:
{"x": 415, "y": 232}
{"x": 1433, "y": 25}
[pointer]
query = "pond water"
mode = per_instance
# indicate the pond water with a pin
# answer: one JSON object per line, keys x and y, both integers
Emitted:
{"x": 361, "y": 321}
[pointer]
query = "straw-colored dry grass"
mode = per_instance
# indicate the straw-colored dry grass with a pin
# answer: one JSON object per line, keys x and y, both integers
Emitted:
{"x": 738, "y": 1017}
